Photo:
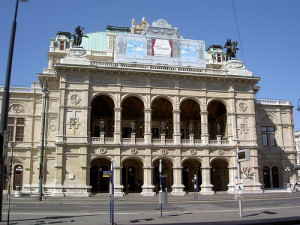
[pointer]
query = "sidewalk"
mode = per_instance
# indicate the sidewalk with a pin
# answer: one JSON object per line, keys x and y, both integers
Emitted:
{"x": 130, "y": 210}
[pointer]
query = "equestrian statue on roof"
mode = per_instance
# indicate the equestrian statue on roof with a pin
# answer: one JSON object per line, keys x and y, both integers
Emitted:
{"x": 77, "y": 36}
{"x": 231, "y": 49}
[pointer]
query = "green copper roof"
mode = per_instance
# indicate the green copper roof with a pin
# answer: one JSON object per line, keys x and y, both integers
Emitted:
{"x": 96, "y": 41}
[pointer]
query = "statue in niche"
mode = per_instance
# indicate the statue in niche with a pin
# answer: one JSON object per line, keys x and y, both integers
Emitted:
{"x": 191, "y": 128}
{"x": 102, "y": 126}
{"x": 133, "y": 127}
{"x": 231, "y": 49}
{"x": 218, "y": 129}
{"x": 163, "y": 127}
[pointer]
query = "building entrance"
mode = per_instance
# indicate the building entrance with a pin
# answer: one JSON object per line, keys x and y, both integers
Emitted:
{"x": 191, "y": 167}
{"x": 167, "y": 171}
{"x": 99, "y": 183}
{"x": 132, "y": 175}
{"x": 219, "y": 175}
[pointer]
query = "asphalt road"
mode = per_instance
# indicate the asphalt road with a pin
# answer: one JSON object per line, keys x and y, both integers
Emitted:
{"x": 275, "y": 208}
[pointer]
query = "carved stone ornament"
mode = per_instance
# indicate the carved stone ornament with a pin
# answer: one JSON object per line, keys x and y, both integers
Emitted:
{"x": 75, "y": 99}
{"x": 193, "y": 151}
{"x": 243, "y": 107}
{"x": 77, "y": 52}
{"x": 103, "y": 150}
{"x": 17, "y": 108}
{"x": 221, "y": 152}
{"x": 164, "y": 151}
{"x": 53, "y": 128}
{"x": 133, "y": 151}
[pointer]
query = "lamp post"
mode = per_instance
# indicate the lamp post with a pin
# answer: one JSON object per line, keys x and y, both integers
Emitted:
{"x": 5, "y": 100}
{"x": 287, "y": 169}
{"x": 298, "y": 109}
{"x": 45, "y": 91}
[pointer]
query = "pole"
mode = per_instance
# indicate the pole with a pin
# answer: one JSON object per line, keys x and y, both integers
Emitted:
{"x": 9, "y": 171}
{"x": 160, "y": 183}
{"x": 195, "y": 187}
{"x": 239, "y": 177}
{"x": 5, "y": 102}
{"x": 45, "y": 90}
{"x": 112, "y": 193}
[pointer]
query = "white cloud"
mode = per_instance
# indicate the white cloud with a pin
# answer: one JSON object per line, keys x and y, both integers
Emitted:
{"x": 139, "y": 49}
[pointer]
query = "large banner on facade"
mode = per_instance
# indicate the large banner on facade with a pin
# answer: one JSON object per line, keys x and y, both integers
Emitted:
{"x": 162, "y": 47}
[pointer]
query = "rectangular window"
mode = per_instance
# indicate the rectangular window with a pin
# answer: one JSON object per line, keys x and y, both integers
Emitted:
{"x": 61, "y": 45}
{"x": 219, "y": 58}
{"x": 272, "y": 140}
{"x": 21, "y": 121}
{"x": 20, "y": 134}
{"x": 10, "y": 133}
{"x": 268, "y": 136}
{"x": 10, "y": 120}
{"x": 15, "y": 129}
{"x": 265, "y": 139}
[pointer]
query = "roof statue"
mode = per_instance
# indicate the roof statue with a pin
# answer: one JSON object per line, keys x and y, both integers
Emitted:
{"x": 231, "y": 49}
{"x": 77, "y": 36}
{"x": 138, "y": 29}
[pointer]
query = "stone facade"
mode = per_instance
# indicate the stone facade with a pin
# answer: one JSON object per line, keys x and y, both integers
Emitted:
{"x": 190, "y": 115}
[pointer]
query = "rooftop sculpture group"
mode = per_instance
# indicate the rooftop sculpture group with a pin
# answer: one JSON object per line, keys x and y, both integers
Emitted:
{"x": 231, "y": 49}
{"x": 77, "y": 36}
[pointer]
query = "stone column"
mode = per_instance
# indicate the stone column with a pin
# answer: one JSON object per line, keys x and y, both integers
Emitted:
{"x": 177, "y": 187}
{"x": 117, "y": 130}
{"x": 176, "y": 125}
{"x": 60, "y": 138}
{"x": 163, "y": 139}
{"x": 148, "y": 187}
{"x": 232, "y": 174}
{"x": 257, "y": 186}
{"x": 85, "y": 170}
{"x": 204, "y": 128}
{"x": 118, "y": 174}
{"x": 219, "y": 139}
{"x": 206, "y": 186}
{"x": 102, "y": 138}
{"x": 147, "y": 131}
{"x": 58, "y": 179}
{"x": 133, "y": 138}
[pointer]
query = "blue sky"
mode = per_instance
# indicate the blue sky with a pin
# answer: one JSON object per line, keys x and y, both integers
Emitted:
{"x": 269, "y": 30}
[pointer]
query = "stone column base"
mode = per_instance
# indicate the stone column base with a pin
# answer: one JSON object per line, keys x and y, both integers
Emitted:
{"x": 119, "y": 191}
{"x": 58, "y": 191}
{"x": 148, "y": 191}
{"x": 177, "y": 190}
{"x": 207, "y": 190}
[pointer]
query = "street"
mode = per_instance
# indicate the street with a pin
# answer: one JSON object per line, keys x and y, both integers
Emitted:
{"x": 275, "y": 208}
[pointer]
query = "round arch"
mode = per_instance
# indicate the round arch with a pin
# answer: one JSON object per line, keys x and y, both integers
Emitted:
{"x": 162, "y": 117}
{"x": 102, "y": 109}
{"x": 97, "y": 166}
{"x": 219, "y": 174}
{"x": 190, "y": 119}
{"x": 167, "y": 171}
{"x": 191, "y": 170}
{"x": 132, "y": 174}
{"x": 133, "y": 119}
{"x": 217, "y": 120}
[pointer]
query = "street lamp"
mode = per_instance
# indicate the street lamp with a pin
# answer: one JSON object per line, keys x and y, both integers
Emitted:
{"x": 298, "y": 109}
{"x": 5, "y": 101}
{"x": 45, "y": 91}
{"x": 287, "y": 169}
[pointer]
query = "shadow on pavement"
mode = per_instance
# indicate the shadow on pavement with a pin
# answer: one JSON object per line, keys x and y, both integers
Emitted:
{"x": 47, "y": 220}
{"x": 277, "y": 221}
